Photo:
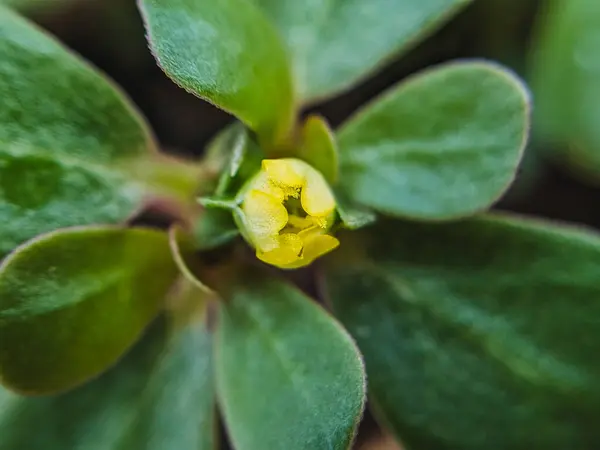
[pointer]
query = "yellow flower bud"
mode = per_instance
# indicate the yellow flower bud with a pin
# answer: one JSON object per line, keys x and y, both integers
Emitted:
{"x": 287, "y": 210}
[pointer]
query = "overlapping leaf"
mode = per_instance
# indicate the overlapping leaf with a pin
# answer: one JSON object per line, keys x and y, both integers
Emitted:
{"x": 476, "y": 335}
{"x": 72, "y": 149}
{"x": 159, "y": 397}
{"x": 228, "y": 53}
{"x": 288, "y": 376}
{"x": 72, "y": 302}
{"x": 441, "y": 145}
{"x": 334, "y": 44}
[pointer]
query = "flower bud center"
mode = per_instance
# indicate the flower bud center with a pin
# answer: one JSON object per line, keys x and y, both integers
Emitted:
{"x": 288, "y": 209}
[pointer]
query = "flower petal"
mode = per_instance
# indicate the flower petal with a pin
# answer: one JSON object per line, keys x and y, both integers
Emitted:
{"x": 300, "y": 223}
{"x": 316, "y": 246}
{"x": 316, "y": 197}
{"x": 262, "y": 183}
{"x": 265, "y": 215}
{"x": 285, "y": 172}
{"x": 290, "y": 246}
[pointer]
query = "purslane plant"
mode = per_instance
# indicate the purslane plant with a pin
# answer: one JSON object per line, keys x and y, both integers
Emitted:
{"x": 475, "y": 332}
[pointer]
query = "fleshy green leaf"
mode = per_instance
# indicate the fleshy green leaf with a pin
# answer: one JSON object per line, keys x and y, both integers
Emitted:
{"x": 228, "y": 53}
{"x": 288, "y": 376}
{"x": 443, "y": 144}
{"x": 480, "y": 334}
{"x": 31, "y": 4}
{"x": 565, "y": 74}
{"x": 334, "y": 44}
{"x": 72, "y": 301}
{"x": 72, "y": 149}
{"x": 159, "y": 397}
{"x": 319, "y": 147}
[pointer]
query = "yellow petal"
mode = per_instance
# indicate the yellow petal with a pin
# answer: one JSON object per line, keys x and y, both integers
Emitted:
{"x": 300, "y": 223}
{"x": 264, "y": 243}
{"x": 316, "y": 246}
{"x": 265, "y": 215}
{"x": 262, "y": 183}
{"x": 316, "y": 197}
{"x": 290, "y": 246}
{"x": 286, "y": 172}
{"x": 302, "y": 239}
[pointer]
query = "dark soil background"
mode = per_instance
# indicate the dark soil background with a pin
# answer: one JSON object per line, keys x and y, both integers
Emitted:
{"x": 109, "y": 33}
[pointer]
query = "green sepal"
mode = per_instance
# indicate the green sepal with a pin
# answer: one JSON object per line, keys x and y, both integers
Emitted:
{"x": 351, "y": 215}
{"x": 235, "y": 155}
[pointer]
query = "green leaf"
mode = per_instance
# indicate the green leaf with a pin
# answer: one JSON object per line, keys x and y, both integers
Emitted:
{"x": 565, "y": 77}
{"x": 335, "y": 44}
{"x": 228, "y": 53}
{"x": 444, "y": 144}
{"x": 28, "y": 5}
{"x": 178, "y": 407}
{"x": 481, "y": 334}
{"x": 72, "y": 149}
{"x": 319, "y": 147}
{"x": 288, "y": 376}
{"x": 159, "y": 397}
{"x": 72, "y": 301}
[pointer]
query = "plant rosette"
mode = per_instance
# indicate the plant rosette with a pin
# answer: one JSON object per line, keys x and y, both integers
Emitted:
{"x": 474, "y": 328}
